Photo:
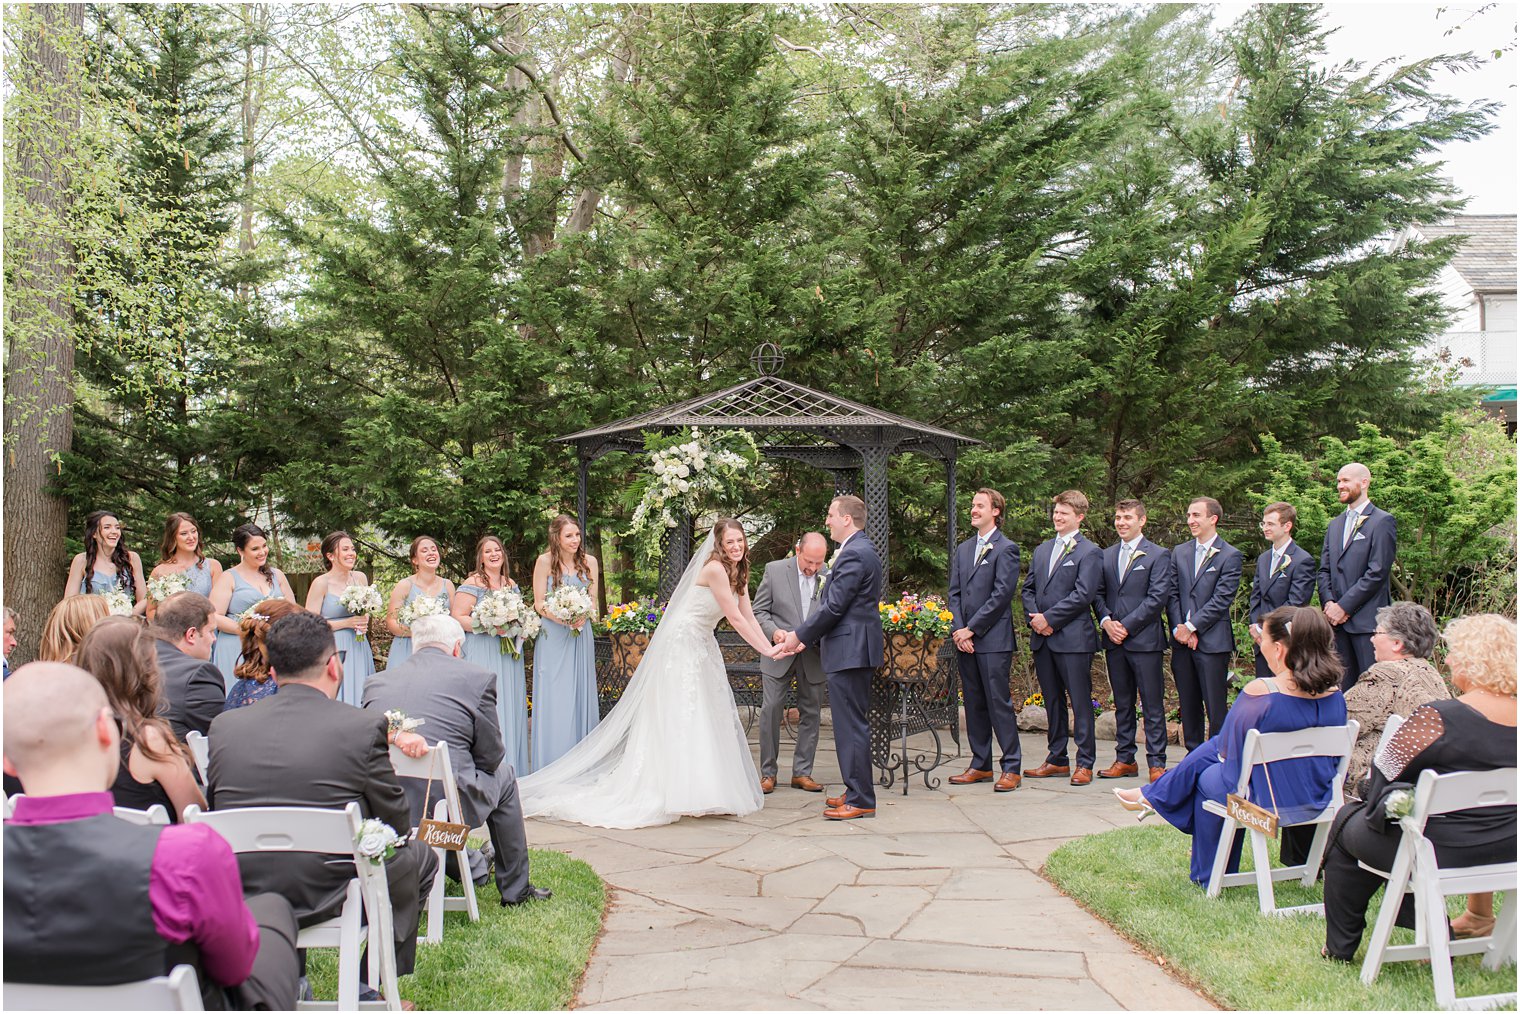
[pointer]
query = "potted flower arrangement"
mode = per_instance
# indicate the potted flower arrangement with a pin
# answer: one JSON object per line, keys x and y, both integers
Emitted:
{"x": 915, "y": 631}
{"x": 629, "y": 626}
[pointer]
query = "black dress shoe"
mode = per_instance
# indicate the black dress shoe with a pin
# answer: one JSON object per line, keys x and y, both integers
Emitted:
{"x": 531, "y": 894}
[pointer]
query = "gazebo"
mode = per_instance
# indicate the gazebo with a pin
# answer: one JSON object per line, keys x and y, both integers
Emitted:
{"x": 851, "y": 441}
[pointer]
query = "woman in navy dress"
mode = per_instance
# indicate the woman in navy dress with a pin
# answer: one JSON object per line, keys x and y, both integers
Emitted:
{"x": 564, "y": 663}
{"x": 491, "y": 573}
{"x": 1304, "y": 692}
{"x": 180, "y": 553}
{"x": 254, "y": 680}
{"x": 425, "y": 582}
{"x": 339, "y": 556}
{"x": 249, "y": 581}
{"x": 106, "y": 564}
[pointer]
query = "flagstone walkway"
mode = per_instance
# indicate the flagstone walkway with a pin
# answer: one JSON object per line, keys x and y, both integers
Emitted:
{"x": 937, "y": 903}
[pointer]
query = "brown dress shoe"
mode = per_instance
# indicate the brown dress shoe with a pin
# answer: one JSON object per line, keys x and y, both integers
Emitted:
{"x": 1010, "y": 781}
{"x": 806, "y": 784}
{"x": 847, "y": 812}
{"x": 1048, "y": 770}
{"x": 832, "y": 801}
{"x": 970, "y": 777}
{"x": 1081, "y": 776}
{"x": 767, "y": 785}
{"x": 1119, "y": 770}
{"x": 1156, "y": 773}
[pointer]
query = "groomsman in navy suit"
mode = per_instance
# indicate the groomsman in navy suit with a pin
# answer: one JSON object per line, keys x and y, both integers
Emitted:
{"x": 984, "y": 576}
{"x": 1284, "y": 573}
{"x": 1063, "y": 582}
{"x": 1137, "y": 584}
{"x": 1355, "y": 568}
{"x": 1208, "y": 575}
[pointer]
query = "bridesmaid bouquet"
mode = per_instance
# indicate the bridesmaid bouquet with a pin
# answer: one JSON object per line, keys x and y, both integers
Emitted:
{"x": 160, "y": 588}
{"x": 569, "y": 604}
{"x": 532, "y": 626}
{"x": 118, "y": 602}
{"x": 416, "y": 609}
{"x": 362, "y": 600}
{"x": 501, "y": 614}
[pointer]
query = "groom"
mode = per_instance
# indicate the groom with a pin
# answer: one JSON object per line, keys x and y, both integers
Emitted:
{"x": 846, "y": 626}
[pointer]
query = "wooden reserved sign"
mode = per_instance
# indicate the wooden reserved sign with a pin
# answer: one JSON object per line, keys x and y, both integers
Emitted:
{"x": 1248, "y": 813}
{"x": 440, "y": 834}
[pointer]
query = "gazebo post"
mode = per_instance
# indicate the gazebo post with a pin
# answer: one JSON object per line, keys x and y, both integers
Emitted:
{"x": 874, "y": 483}
{"x": 950, "y": 506}
{"x": 582, "y": 480}
{"x": 677, "y": 545}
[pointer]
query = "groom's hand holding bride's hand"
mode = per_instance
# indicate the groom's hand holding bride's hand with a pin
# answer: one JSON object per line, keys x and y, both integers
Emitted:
{"x": 791, "y": 646}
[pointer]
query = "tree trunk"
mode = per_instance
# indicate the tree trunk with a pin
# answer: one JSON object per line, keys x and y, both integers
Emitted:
{"x": 39, "y": 398}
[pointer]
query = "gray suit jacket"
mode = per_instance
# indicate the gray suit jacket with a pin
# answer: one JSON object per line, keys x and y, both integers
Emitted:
{"x": 456, "y": 701}
{"x": 778, "y": 606}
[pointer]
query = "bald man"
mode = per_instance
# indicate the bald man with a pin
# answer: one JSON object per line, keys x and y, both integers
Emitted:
{"x": 1355, "y": 567}
{"x": 787, "y": 595}
{"x": 92, "y": 900}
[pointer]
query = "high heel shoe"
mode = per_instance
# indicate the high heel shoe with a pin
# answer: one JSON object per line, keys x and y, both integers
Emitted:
{"x": 1142, "y": 807}
{"x": 1469, "y": 924}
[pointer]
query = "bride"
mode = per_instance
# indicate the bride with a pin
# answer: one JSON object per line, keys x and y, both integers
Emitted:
{"x": 673, "y": 746}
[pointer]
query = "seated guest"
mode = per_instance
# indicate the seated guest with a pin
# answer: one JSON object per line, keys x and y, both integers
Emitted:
{"x": 253, "y": 679}
{"x": 1399, "y": 681}
{"x": 456, "y": 701}
{"x": 1303, "y": 693}
{"x": 155, "y": 766}
{"x": 1475, "y": 732}
{"x": 67, "y": 624}
{"x": 91, "y": 900}
{"x": 301, "y": 747}
{"x": 192, "y": 685}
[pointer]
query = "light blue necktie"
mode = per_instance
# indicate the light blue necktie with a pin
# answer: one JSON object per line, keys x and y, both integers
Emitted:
{"x": 1276, "y": 559}
{"x": 1351, "y": 517}
{"x": 1198, "y": 558}
{"x": 1125, "y": 553}
{"x": 1057, "y": 551}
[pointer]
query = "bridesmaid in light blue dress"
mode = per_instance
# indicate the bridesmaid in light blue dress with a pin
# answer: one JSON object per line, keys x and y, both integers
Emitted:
{"x": 180, "y": 553}
{"x": 250, "y": 581}
{"x": 339, "y": 554}
{"x": 486, "y": 650}
{"x": 425, "y": 582}
{"x": 106, "y": 564}
{"x": 564, "y": 663}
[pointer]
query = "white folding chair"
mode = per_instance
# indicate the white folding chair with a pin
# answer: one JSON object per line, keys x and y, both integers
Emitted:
{"x": 1416, "y": 869}
{"x": 275, "y": 829}
{"x": 10, "y": 805}
{"x": 179, "y": 990}
{"x": 200, "y": 752}
{"x": 155, "y": 814}
{"x": 435, "y": 764}
{"x": 1266, "y": 748}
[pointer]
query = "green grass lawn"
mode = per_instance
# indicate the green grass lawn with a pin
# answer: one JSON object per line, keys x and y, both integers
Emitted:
{"x": 530, "y": 957}
{"x": 1137, "y": 880}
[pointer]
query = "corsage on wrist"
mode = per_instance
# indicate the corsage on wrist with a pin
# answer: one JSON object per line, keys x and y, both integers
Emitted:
{"x": 397, "y": 723}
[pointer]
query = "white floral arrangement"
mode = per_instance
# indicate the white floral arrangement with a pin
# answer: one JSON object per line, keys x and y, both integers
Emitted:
{"x": 377, "y": 840}
{"x": 685, "y": 471}
{"x": 118, "y": 602}
{"x": 427, "y": 605}
{"x": 252, "y": 613}
{"x": 362, "y": 600}
{"x": 569, "y": 604}
{"x": 1399, "y": 804}
{"x": 502, "y": 614}
{"x": 160, "y": 588}
{"x": 532, "y": 626}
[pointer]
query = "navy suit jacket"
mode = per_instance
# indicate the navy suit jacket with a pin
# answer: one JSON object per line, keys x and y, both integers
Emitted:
{"x": 1207, "y": 595}
{"x": 1356, "y": 577}
{"x": 981, "y": 592}
{"x": 846, "y": 624}
{"x": 1138, "y": 598}
{"x": 1065, "y": 596}
{"x": 1291, "y": 587}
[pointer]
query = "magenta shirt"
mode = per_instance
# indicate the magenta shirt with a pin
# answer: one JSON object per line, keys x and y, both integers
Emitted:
{"x": 193, "y": 885}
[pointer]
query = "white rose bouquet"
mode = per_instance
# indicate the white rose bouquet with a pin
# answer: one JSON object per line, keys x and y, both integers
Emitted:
{"x": 160, "y": 588}
{"x": 532, "y": 626}
{"x": 362, "y": 600}
{"x": 377, "y": 840}
{"x": 687, "y": 472}
{"x": 501, "y": 614}
{"x": 118, "y": 602}
{"x": 569, "y": 604}
{"x": 428, "y": 605}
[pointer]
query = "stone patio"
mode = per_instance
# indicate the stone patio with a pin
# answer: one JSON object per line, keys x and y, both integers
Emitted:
{"x": 937, "y": 903}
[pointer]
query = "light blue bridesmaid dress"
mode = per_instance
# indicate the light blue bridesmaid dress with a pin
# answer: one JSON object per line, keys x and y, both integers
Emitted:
{"x": 199, "y": 577}
{"x": 401, "y": 647}
{"x": 564, "y": 686}
{"x": 100, "y": 583}
{"x": 511, "y": 687}
{"x": 358, "y": 660}
{"x": 229, "y": 647}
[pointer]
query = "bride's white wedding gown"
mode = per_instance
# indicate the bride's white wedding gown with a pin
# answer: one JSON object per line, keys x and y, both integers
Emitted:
{"x": 673, "y": 746}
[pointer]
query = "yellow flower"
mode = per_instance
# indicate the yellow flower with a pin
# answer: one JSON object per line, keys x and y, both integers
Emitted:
{"x": 945, "y": 615}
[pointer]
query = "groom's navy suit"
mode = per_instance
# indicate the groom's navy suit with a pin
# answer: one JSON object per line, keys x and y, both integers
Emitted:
{"x": 1355, "y": 575}
{"x": 1063, "y": 659}
{"x": 981, "y": 597}
{"x": 1292, "y": 584}
{"x": 1136, "y": 598}
{"x": 846, "y": 627}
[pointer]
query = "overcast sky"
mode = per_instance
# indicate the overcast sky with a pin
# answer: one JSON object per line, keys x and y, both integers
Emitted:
{"x": 1371, "y": 32}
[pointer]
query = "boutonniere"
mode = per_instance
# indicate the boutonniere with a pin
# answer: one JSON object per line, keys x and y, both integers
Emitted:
{"x": 1132, "y": 558}
{"x": 1282, "y": 565}
{"x": 1071, "y": 547}
{"x": 1357, "y": 525}
{"x": 986, "y": 550}
{"x": 1209, "y": 554}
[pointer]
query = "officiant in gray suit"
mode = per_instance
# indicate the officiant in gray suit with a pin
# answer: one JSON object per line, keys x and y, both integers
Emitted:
{"x": 788, "y": 593}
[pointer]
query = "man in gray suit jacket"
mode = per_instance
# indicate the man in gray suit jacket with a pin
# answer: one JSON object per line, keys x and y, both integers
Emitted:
{"x": 456, "y": 701}
{"x": 194, "y": 689}
{"x": 787, "y": 595}
{"x": 301, "y": 747}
